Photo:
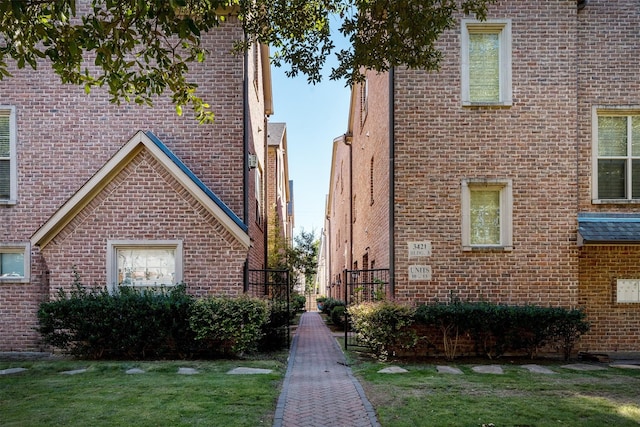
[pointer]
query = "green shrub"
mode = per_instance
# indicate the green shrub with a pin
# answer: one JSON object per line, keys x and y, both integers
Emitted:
{"x": 275, "y": 330}
{"x": 297, "y": 302}
{"x": 567, "y": 328}
{"x": 337, "y": 315}
{"x": 450, "y": 319}
{"x": 229, "y": 326}
{"x": 128, "y": 324}
{"x": 165, "y": 323}
{"x": 497, "y": 328}
{"x": 383, "y": 326}
{"x": 329, "y": 304}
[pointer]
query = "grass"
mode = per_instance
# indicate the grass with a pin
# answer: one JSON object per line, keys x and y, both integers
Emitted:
{"x": 106, "y": 396}
{"x": 517, "y": 398}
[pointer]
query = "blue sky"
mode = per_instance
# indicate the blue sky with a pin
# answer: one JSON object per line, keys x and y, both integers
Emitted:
{"x": 314, "y": 115}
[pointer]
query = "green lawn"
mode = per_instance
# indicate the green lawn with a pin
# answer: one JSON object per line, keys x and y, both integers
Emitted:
{"x": 424, "y": 397}
{"x": 106, "y": 396}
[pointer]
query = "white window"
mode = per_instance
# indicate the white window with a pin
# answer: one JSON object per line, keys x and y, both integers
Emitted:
{"x": 15, "y": 262}
{"x": 144, "y": 264}
{"x": 8, "y": 165}
{"x": 486, "y": 62}
{"x": 486, "y": 214}
{"x": 616, "y": 155}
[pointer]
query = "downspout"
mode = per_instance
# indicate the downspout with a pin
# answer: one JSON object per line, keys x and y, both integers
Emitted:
{"x": 328, "y": 278}
{"x": 245, "y": 135}
{"x": 581, "y": 5}
{"x": 245, "y": 151}
{"x": 265, "y": 195}
{"x": 392, "y": 189}
{"x": 348, "y": 141}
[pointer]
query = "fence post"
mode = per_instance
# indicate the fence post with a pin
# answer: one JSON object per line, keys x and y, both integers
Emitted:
{"x": 346, "y": 309}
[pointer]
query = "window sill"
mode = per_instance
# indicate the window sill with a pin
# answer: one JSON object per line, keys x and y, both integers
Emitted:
{"x": 507, "y": 104}
{"x": 615, "y": 201}
{"x": 14, "y": 280}
{"x": 487, "y": 248}
{"x": 8, "y": 202}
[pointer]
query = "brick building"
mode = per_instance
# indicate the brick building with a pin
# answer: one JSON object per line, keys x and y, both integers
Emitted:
{"x": 131, "y": 195}
{"x": 511, "y": 172}
{"x": 279, "y": 187}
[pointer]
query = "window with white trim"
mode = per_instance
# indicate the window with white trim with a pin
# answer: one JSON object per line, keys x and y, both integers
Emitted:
{"x": 144, "y": 264}
{"x": 8, "y": 159}
{"x": 15, "y": 262}
{"x": 486, "y": 62}
{"x": 616, "y": 155}
{"x": 487, "y": 214}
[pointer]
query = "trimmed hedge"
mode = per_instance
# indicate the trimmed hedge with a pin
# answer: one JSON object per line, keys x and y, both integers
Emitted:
{"x": 229, "y": 326}
{"x": 383, "y": 326}
{"x": 166, "y": 323}
{"x": 128, "y": 324}
{"x": 492, "y": 329}
{"x": 330, "y": 303}
{"x": 297, "y": 302}
{"x": 338, "y": 315}
{"x": 497, "y": 329}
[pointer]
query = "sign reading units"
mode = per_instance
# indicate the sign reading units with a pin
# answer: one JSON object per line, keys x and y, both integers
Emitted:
{"x": 419, "y": 272}
{"x": 419, "y": 249}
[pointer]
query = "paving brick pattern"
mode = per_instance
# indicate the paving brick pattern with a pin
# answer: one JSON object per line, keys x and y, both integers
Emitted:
{"x": 319, "y": 389}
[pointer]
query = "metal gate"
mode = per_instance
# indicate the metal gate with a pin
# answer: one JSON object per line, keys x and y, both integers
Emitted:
{"x": 273, "y": 285}
{"x": 363, "y": 286}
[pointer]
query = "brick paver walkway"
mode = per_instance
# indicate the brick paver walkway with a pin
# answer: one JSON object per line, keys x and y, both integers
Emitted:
{"x": 319, "y": 389}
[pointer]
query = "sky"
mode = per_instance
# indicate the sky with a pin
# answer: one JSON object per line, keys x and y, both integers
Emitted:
{"x": 315, "y": 115}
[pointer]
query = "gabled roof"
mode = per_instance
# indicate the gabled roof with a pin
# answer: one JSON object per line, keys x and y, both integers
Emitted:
{"x": 140, "y": 141}
{"x": 608, "y": 228}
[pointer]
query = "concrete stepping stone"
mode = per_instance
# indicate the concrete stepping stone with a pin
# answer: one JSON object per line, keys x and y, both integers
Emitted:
{"x": 537, "y": 369}
{"x": 488, "y": 369}
{"x": 187, "y": 371}
{"x": 74, "y": 372}
{"x": 134, "y": 371}
{"x": 249, "y": 371}
{"x": 448, "y": 370}
{"x": 583, "y": 367}
{"x": 11, "y": 371}
{"x": 393, "y": 370}
{"x": 624, "y": 366}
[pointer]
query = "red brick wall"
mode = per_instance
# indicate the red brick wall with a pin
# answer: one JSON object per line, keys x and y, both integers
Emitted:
{"x": 371, "y": 142}
{"x": 257, "y": 131}
{"x": 614, "y": 326}
{"x": 18, "y": 308}
{"x": 339, "y": 217}
{"x": 564, "y": 62}
{"x": 64, "y": 137}
{"x": 135, "y": 207}
{"x": 532, "y": 143}
{"x": 276, "y": 198}
{"x": 608, "y": 76}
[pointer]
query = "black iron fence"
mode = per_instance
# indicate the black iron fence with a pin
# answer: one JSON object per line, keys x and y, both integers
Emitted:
{"x": 363, "y": 286}
{"x": 273, "y": 285}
